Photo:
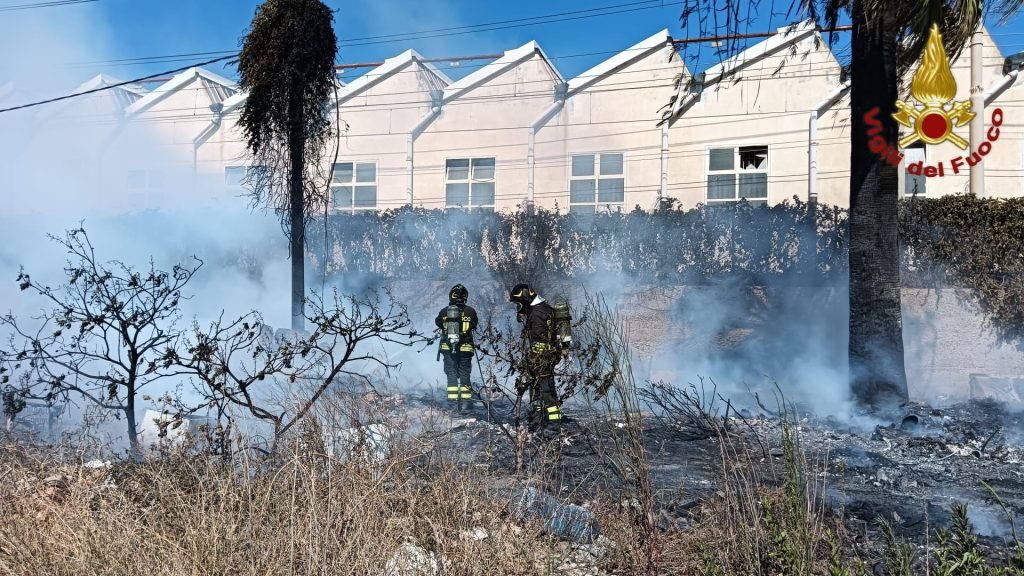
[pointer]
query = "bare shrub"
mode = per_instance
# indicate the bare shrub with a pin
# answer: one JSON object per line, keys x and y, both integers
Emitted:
{"x": 109, "y": 332}
{"x": 694, "y": 412}
{"x": 239, "y": 364}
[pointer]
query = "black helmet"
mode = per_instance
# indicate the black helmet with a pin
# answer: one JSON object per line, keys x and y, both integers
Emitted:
{"x": 458, "y": 294}
{"x": 522, "y": 295}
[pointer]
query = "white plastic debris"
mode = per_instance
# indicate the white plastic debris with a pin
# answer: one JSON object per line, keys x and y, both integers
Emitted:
{"x": 461, "y": 423}
{"x": 97, "y": 464}
{"x": 411, "y": 560}
{"x": 475, "y": 534}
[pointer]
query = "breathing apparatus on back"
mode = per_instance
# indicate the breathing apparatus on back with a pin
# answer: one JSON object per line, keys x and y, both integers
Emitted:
{"x": 452, "y": 322}
{"x": 563, "y": 325}
{"x": 457, "y": 297}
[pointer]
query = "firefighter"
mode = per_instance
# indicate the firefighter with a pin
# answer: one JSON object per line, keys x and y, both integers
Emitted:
{"x": 541, "y": 355}
{"x": 457, "y": 322}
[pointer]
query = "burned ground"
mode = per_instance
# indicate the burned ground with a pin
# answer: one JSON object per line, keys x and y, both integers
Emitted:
{"x": 909, "y": 471}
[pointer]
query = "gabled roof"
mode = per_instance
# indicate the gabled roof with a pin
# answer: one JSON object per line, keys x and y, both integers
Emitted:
{"x": 785, "y": 37}
{"x": 363, "y": 83}
{"x": 219, "y": 87}
{"x": 113, "y": 101}
{"x": 508, "y": 61}
{"x": 388, "y": 68}
{"x": 628, "y": 56}
{"x": 233, "y": 102}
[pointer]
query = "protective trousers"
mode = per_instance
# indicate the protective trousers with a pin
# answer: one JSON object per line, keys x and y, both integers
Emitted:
{"x": 540, "y": 369}
{"x": 458, "y": 367}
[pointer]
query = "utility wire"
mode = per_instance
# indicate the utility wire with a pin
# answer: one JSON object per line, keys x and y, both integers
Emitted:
{"x": 656, "y": 4}
{"x": 55, "y": 3}
{"x": 117, "y": 85}
{"x": 434, "y": 33}
{"x": 506, "y": 27}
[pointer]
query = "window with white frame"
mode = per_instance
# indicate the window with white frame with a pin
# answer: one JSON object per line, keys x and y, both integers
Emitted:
{"x": 597, "y": 180}
{"x": 354, "y": 186}
{"x": 469, "y": 183}
{"x": 738, "y": 172}
{"x": 913, "y": 184}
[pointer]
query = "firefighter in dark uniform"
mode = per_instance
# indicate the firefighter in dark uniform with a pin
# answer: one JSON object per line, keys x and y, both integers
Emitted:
{"x": 457, "y": 322}
{"x": 541, "y": 355}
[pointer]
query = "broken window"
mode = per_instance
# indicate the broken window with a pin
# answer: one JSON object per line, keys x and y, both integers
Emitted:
{"x": 738, "y": 172}
{"x": 354, "y": 186}
{"x": 597, "y": 181}
{"x": 469, "y": 183}
{"x": 753, "y": 157}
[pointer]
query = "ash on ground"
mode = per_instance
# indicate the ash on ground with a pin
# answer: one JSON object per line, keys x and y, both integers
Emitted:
{"x": 908, "y": 471}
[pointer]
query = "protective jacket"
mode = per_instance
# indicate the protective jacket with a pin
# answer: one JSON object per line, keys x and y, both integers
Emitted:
{"x": 539, "y": 328}
{"x": 467, "y": 325}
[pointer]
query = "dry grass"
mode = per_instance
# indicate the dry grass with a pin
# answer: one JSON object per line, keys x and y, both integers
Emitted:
{"x": 304, "y": 512}
{"x": 200, "y": 515}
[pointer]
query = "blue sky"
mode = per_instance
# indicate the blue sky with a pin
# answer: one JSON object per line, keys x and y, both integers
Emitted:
{"x": 127, "y": 29}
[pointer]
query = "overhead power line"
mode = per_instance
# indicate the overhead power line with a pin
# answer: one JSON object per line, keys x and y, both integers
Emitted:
{"x": 578, "y": 16}
{"x": 112, "y": 86}
{"x": 427, "y": 34}
{"x": 166, "y": 73}
{"x": 728, "y": 37}
{"x": 402, "y": 35}
{"x": 54, "y": 3}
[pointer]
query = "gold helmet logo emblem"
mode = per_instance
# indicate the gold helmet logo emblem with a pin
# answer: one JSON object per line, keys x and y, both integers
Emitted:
{"x": 934, "y": 87}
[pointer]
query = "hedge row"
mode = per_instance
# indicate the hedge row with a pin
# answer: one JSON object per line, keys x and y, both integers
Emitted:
{"x": 958, "y": 241}
{"x": 694, "y": 246}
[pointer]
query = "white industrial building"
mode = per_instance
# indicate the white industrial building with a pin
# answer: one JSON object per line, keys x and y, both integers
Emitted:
{"x": 628, "y": 132}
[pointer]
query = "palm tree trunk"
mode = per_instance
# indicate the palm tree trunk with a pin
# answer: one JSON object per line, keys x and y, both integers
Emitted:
{"x": 877, "y": 372}
{"x": 297, "y": 238}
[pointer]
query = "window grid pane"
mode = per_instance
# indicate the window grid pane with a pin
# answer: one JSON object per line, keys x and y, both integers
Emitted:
{"x": 457, "y": 169}
{"x": 342, "y": 196}
{"x": 342, "y": 173}
{"x": 722, "y": 187}
{"x": 581, "y": 192}
{"x": 483, "y": 194}
{"x": 721, "y": 159}
{"x": 583, "y": 165}
{"x": 483, "y": 169}
{"x": 754, "y": 185}
{"x": 457, "y": 194}
{"x": 366, "y": 172}
{"x": 753, "y": 157}
{"x": 611, "y": 191}
{"x": 611, "y": 164}
{"x": 365, "y": 197}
